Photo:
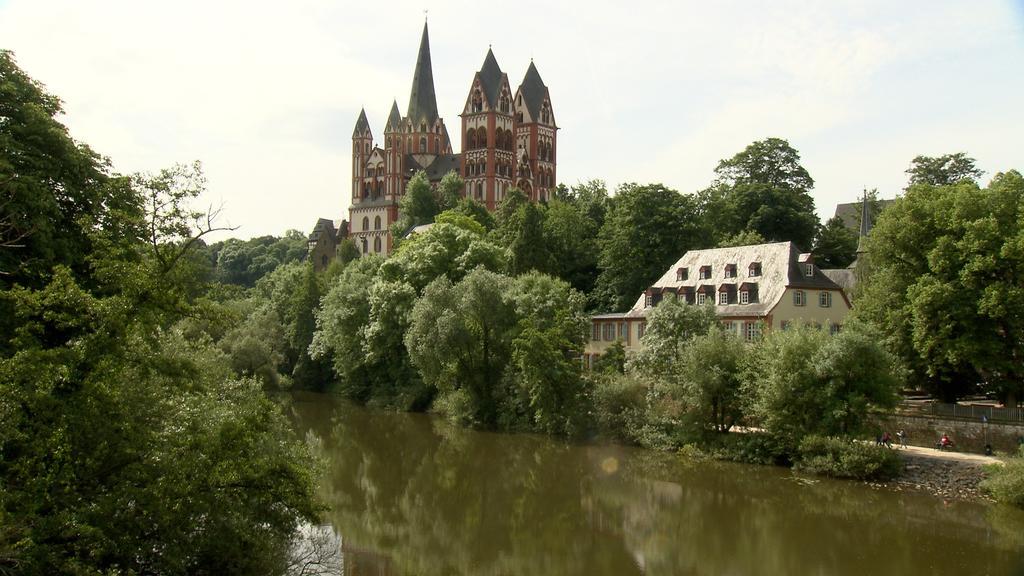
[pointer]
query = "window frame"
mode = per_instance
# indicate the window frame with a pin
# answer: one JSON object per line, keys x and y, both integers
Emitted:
{"x": 824, "y": 299}
{"x": 799, "y": 298}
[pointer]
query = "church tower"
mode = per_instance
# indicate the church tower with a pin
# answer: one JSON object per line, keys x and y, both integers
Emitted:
{"x": 536, "y": 136}
{"x": 362, "y": 146}
{"x": 488, "y": 128}
{"x": 425, "y": 131}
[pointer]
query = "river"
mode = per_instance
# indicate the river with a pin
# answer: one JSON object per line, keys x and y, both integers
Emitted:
{"x": 410, "y": 494}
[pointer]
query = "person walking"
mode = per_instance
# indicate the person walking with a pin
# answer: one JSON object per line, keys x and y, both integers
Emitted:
{"x": 902, "y": 438}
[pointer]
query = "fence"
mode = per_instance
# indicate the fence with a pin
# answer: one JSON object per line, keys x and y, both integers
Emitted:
{"x": 966, "y": 412}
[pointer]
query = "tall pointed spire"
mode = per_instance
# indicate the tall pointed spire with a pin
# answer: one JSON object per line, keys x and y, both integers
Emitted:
{"x": 394, "y": 119}
{"x": 362, "y": 125}
{"x": 490, "y": 77}
{"x": 533, "y": 90}
{"x": 422, "y": 101}
{"x": 865, "y": 223}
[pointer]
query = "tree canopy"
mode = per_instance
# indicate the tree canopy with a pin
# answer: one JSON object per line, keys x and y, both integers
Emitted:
{"x": 943, "y": 170}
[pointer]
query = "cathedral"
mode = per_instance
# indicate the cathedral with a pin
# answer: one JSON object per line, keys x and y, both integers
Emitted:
{"x": 508, "y": 140}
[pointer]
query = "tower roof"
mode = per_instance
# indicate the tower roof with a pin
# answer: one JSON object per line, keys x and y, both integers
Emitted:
{"x": 533, "y": 90}
{"x": 490, "y": 78}
{"x": 362, "y": 126}
{"x": 865, "y": 223}
{"x": 422, "y": 101}
{"x": 394, "y": 119}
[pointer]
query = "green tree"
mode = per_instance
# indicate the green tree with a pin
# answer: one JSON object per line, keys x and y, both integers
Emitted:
{"x": 527, "y": 247}
{"x": 570, "y": 234}
{"x": 418, "y": 206}
{"x": 476, "y": 211}
{"x": 804, "y": 381}
{"x": 708, "y": 380}
{"x": 836, "y": 245}
{"x": 646, "y": 229}
{"x": 943, "y": 170}
{"x": 946, "y": 269}
{"x": 764, "y": 189}
{"x": 744, "y": 238}
{"x": 347, "y": 251}
{"x": 450, "y": 191}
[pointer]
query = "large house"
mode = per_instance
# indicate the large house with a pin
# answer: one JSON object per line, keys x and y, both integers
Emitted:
{"x": 508, "y": 140}
{"x": 762, "y": 286}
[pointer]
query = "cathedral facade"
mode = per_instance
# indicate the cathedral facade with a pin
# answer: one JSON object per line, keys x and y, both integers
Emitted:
{"x": 509, "y": 139}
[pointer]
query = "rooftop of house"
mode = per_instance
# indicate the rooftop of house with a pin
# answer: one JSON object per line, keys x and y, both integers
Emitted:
{"x": 764, "y": 270}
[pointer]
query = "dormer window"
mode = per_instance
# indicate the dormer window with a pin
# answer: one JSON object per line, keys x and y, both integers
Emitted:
{"x": 704, "y": 273}
{"x": 748, "y": 293}
{"x": 808, "y": 269}
{"x": 754, "y": 269}
{"x": 730, "y": 270}
{"x": 723, "y": 298}
{"x": 681, "y": 274}
{"x": 702, "y": 298}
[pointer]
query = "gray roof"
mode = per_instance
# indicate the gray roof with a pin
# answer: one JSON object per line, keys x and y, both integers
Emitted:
{"x": 850, "y": 213}
{"x": 323, "y": 226}
{"x": 422, "y": 101}
{"x": 394, "y": 119}
{"x": 362, "y": 126}
{"x": 534, "y": 91}
{"x": 441, "y": 164}
{"x": 490, "y": 78}
{"x": 844, "y": 277}
{"x": 780, "y": 269}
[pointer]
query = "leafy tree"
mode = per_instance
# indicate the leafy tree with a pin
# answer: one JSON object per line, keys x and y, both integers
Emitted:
{"x": 444, "y": 249}
{"x": 946, "y": 269}
{"x": 613, "y": 361}
{"x": 771, "y": 161}
{"x": 527, "y": 248}
{"x": 570, "y": 234}
{"x": 744, "y": 238}
{"x": 763, "y": 189}
{"x": 943, "y": 170}
{"x": 307, "y": 372}
{"x": 418, "y": 206}
{"x": 244, "y": 262}
{"x": 476, "y": 211}
{"x": 450, "y": 191}
{"x": 803, "y": 381}
{"x": 646, "y": 229}
{"x": 347, "y": 251}
{"x": 836, "y": 245}
{"x": 51, "y": 187}
{"x": 708, "y": 379}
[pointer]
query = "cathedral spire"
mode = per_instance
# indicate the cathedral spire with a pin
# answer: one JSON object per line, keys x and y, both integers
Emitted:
{"x": 362, "y": 125}
{"x": 394, "y": 119}
{"x": 422, "y": 101}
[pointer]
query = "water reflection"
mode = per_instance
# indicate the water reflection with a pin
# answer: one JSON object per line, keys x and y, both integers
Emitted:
{"x": 410, "y": 494}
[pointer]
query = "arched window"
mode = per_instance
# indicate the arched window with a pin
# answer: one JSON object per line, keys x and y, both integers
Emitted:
{"x": 470, "y": 139}
{"x": 389, "y": 141}
{"x": 479, "y": 190}
{"x": 367, "y": 148}
{"x": 366, "y": 223}
{"x": 365, "y": 247}
{"x": 376, "y": 222}
{"x": 423, "y": 143}
{"x": 478, "y": 103}
{"x": 545, "y": 113}
{"x": 423, "y": 126}
{"x": 376, "y": 244}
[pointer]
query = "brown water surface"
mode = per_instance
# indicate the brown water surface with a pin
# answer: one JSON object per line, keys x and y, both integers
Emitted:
{"x": 409, "y": 494}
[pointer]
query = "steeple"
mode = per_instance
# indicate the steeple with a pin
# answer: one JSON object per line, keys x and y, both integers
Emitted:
{"x": 490, "y": 78}
{"x": 362, "y": 126}
{"x": 422, "y": 101}
{"x": 534, "y": 90}
{"x": 865, "y": 223}
{"x": 394, "y": 119}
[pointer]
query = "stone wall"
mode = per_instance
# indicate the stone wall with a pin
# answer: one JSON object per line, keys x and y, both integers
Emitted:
{"x": 969, "y": 435}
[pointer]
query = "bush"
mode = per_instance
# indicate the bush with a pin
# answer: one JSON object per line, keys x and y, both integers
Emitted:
{"x": 619, "y": 407}
{"x": 840, "y": 457}
{"x": 748, "y": 448}
{"x": 1005, "y": 482}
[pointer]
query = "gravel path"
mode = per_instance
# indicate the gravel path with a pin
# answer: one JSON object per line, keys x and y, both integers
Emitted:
{"x": 947, "y": 474}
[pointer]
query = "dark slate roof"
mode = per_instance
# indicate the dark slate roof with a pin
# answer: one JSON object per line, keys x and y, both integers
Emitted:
{"x": 438, "y": 167}
{"x": 849, "y": 213}
{"x": 844, "y": 277}
{"x": 780, "y": 268}
{"x": 323, "y": 226}
{"x": 394, "y": 119}
{"x": 362, "y": 126}
{"x": 533, "y": 91}
{"x": 490, "y": 78}
{"x": 422, "y": 101}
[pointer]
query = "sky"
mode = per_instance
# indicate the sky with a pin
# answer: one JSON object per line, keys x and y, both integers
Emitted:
{"x": 266, "y": 94}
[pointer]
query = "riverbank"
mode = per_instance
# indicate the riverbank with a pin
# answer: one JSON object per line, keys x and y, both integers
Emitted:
{"x": 948, "y": 475}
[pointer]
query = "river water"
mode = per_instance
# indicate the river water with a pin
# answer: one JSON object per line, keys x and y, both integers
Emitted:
{"x": 411, "y": 494}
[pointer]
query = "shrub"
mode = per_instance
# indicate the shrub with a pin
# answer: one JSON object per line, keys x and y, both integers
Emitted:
{"x": 619, "y": 407}
{"x": 749, "y": 448}
{"x": 840, "y": 457}
{"x": 1005, "y": 482}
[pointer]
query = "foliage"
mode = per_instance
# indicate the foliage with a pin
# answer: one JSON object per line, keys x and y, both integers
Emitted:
{"x": 125, "y": 447}
{"x": 645, "y": 230}
{"x": 741, "y": 238}
{"x": 476, "y": 211}
{"x": 244, "y": 262}
{"x": 1005, "y": 482}
{"x": 843, "y": 457}
{"x": 836, "y": 245}
{"x": 52, "y": 189}
{"x": 762, "y": 189}
{"x": 443, "y": 250}
{"x": 707, "y": 382}
{"x": 570, "y": 235}
{"x": 450, "y": 191}
{"x": 497, "y": 350}
{"x": 619, "y": 406}
{"x": 671, "y": 325}
{"x": 945, "y": 286}
{"x": 613, "y": 360}
{"x": 525, "y": 235}
{"x": 944, "y": 170}
{"x": 347, "y": 251}
{"x": 419, "y": 205}
{"x": 803, "y": 381}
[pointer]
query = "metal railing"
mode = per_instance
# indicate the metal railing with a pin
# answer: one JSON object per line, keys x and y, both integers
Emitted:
{"x": 978, "y": 412}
